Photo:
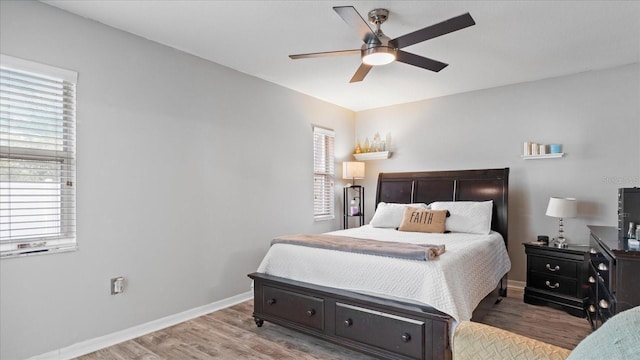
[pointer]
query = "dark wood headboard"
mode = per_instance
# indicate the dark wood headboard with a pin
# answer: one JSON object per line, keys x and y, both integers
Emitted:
{"x": 455, "y": 185}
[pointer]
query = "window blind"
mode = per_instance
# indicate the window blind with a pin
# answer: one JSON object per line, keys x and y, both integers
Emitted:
{"x": 324, "y": 171}
{"x": 37, "y": 158}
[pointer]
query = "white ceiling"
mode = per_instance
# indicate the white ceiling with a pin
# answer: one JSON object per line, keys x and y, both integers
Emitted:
{"x": 512, "y": 41}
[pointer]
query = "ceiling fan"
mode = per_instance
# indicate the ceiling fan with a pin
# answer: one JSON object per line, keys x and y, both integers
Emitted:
{"x": 379, "y": 49}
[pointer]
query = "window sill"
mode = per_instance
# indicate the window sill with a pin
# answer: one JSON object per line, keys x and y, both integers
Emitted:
{"x": 34, "y": 251}
{"x": 324, "y": 217}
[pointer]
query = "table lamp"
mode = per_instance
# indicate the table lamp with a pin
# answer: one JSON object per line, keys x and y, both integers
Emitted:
{"x": 562, "y": 208}
{"x": 352, "y": 170}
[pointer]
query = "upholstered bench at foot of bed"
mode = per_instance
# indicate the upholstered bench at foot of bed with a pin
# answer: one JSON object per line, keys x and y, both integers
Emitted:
{"x": 475, "y": 341}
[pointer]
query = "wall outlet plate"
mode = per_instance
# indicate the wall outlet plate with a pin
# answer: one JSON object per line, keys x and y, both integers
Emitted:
{"x": 117, "y": 285}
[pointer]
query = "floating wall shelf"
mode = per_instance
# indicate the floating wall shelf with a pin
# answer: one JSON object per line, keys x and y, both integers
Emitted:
{"x": 372, "y": 155}
{"x": 542, "y": 156}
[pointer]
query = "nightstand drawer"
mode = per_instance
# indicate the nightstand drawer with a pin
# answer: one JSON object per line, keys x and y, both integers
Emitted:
{"x": 553, "y": 266}
{"x": 554, "y": 284}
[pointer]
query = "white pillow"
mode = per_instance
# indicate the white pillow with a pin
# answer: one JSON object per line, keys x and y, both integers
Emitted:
{"x": 389, "y": 215}
{"x": 467, "y": 216}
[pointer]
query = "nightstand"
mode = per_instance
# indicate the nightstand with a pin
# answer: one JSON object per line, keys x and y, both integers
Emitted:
{"x": 353, "y": 193}
{"x": 558, "y": 277}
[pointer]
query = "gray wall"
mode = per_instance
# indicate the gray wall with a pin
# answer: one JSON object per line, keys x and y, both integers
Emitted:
{"x": 186, "y": 169}
{"x": 594, "y": 115}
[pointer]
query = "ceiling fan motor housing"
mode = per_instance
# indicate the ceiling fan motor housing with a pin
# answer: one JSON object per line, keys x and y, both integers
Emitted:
{"x": 378, "y": 53}
{"x": 381, "y": 50}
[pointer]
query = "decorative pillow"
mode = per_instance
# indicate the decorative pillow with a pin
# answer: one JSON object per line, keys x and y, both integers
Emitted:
{"x": 467, "y": 216}
{"x": 423, "y": 220}
{"x": 389, "y": 215}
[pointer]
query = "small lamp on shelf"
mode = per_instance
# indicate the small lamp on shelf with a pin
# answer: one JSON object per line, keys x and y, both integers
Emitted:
{"x": 562, "y": 208}
{"x": 352, "y": 170}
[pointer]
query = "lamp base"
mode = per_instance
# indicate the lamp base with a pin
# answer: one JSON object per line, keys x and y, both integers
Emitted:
{"x": 560, "y": 245}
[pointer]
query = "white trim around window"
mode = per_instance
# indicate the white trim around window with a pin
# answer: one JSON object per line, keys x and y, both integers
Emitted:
{"x": 323, "y": 173}
{"x": 37, "y": 158}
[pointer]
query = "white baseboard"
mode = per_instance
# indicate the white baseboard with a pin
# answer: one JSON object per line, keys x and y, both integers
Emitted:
{"x": 91, "y": 345}
{"x": 518, "y": 285}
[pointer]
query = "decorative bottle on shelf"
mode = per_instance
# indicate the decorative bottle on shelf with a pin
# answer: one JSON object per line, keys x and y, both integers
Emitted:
{"x": 638, "y": 232}
{"x": 631, "y": 234}
{"x": 375, "y": 145}
{"x": 358, "y": 148}
{"x": 353, "y": 208}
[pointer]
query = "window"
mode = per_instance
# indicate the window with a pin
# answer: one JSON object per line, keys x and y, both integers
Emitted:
{"x": 37, "y": 158}
{"x": 323, "y": 172}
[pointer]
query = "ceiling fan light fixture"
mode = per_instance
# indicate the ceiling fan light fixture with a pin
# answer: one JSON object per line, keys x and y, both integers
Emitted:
{"x": 379, "y": 49}
{"x": 380, "y": 55}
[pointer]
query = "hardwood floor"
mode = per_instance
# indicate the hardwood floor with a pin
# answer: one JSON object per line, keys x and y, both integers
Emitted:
{"x": 542, "y": 323}
{"x": 232, "y": 334}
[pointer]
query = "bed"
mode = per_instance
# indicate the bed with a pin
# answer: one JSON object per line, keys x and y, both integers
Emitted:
{"x": 370, "y": 318}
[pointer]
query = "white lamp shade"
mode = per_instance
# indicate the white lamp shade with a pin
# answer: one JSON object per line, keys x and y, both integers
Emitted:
{"x": 562, "y": 207}
{"x": 352, "y": 170}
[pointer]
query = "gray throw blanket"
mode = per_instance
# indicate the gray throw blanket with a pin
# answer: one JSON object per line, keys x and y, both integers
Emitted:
{"x": 422, "y": 252}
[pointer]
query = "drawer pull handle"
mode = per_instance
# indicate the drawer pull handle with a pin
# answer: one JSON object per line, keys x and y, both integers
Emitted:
{"x": 271, "y": 301}
{"x": 556, "y": 268}
{"x": 405, "y": 337}
{"x": 348, "y": 322}
{"x": 554, "y": 286}
{"x": 592, "y": 308}
{"x": 603, "y": 267}
{"x": 603, "y": 304}
{"x": 311, "y": 312}
{"x": 592, "y": 280}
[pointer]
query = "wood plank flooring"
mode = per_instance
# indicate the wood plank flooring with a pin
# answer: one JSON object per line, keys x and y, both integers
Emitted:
{"x": 232, "y": 334}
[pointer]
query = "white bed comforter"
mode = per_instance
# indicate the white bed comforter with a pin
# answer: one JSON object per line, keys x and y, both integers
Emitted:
{"x": 454, "y": 283}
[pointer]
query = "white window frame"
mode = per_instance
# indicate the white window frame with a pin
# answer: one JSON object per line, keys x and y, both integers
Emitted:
{"x": 323, "y": 174}
{"x": 37, "y": 158}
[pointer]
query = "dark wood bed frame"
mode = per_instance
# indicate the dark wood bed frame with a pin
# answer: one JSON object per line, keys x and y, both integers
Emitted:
{"x": 377, "y": 326}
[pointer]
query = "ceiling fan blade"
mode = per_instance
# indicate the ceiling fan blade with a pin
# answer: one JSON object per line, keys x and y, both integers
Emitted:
{"x": 362, "y": 71}
{"x": 325, "y": 54}
{"x": 353, "y": 19}
{"x": 419, "y": 61}
{"x": 430, "y": 32}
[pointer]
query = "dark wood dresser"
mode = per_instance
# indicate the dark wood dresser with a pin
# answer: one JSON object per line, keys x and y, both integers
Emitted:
{"x": 557, "y": 277}
{"x": 614, "y": 275}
